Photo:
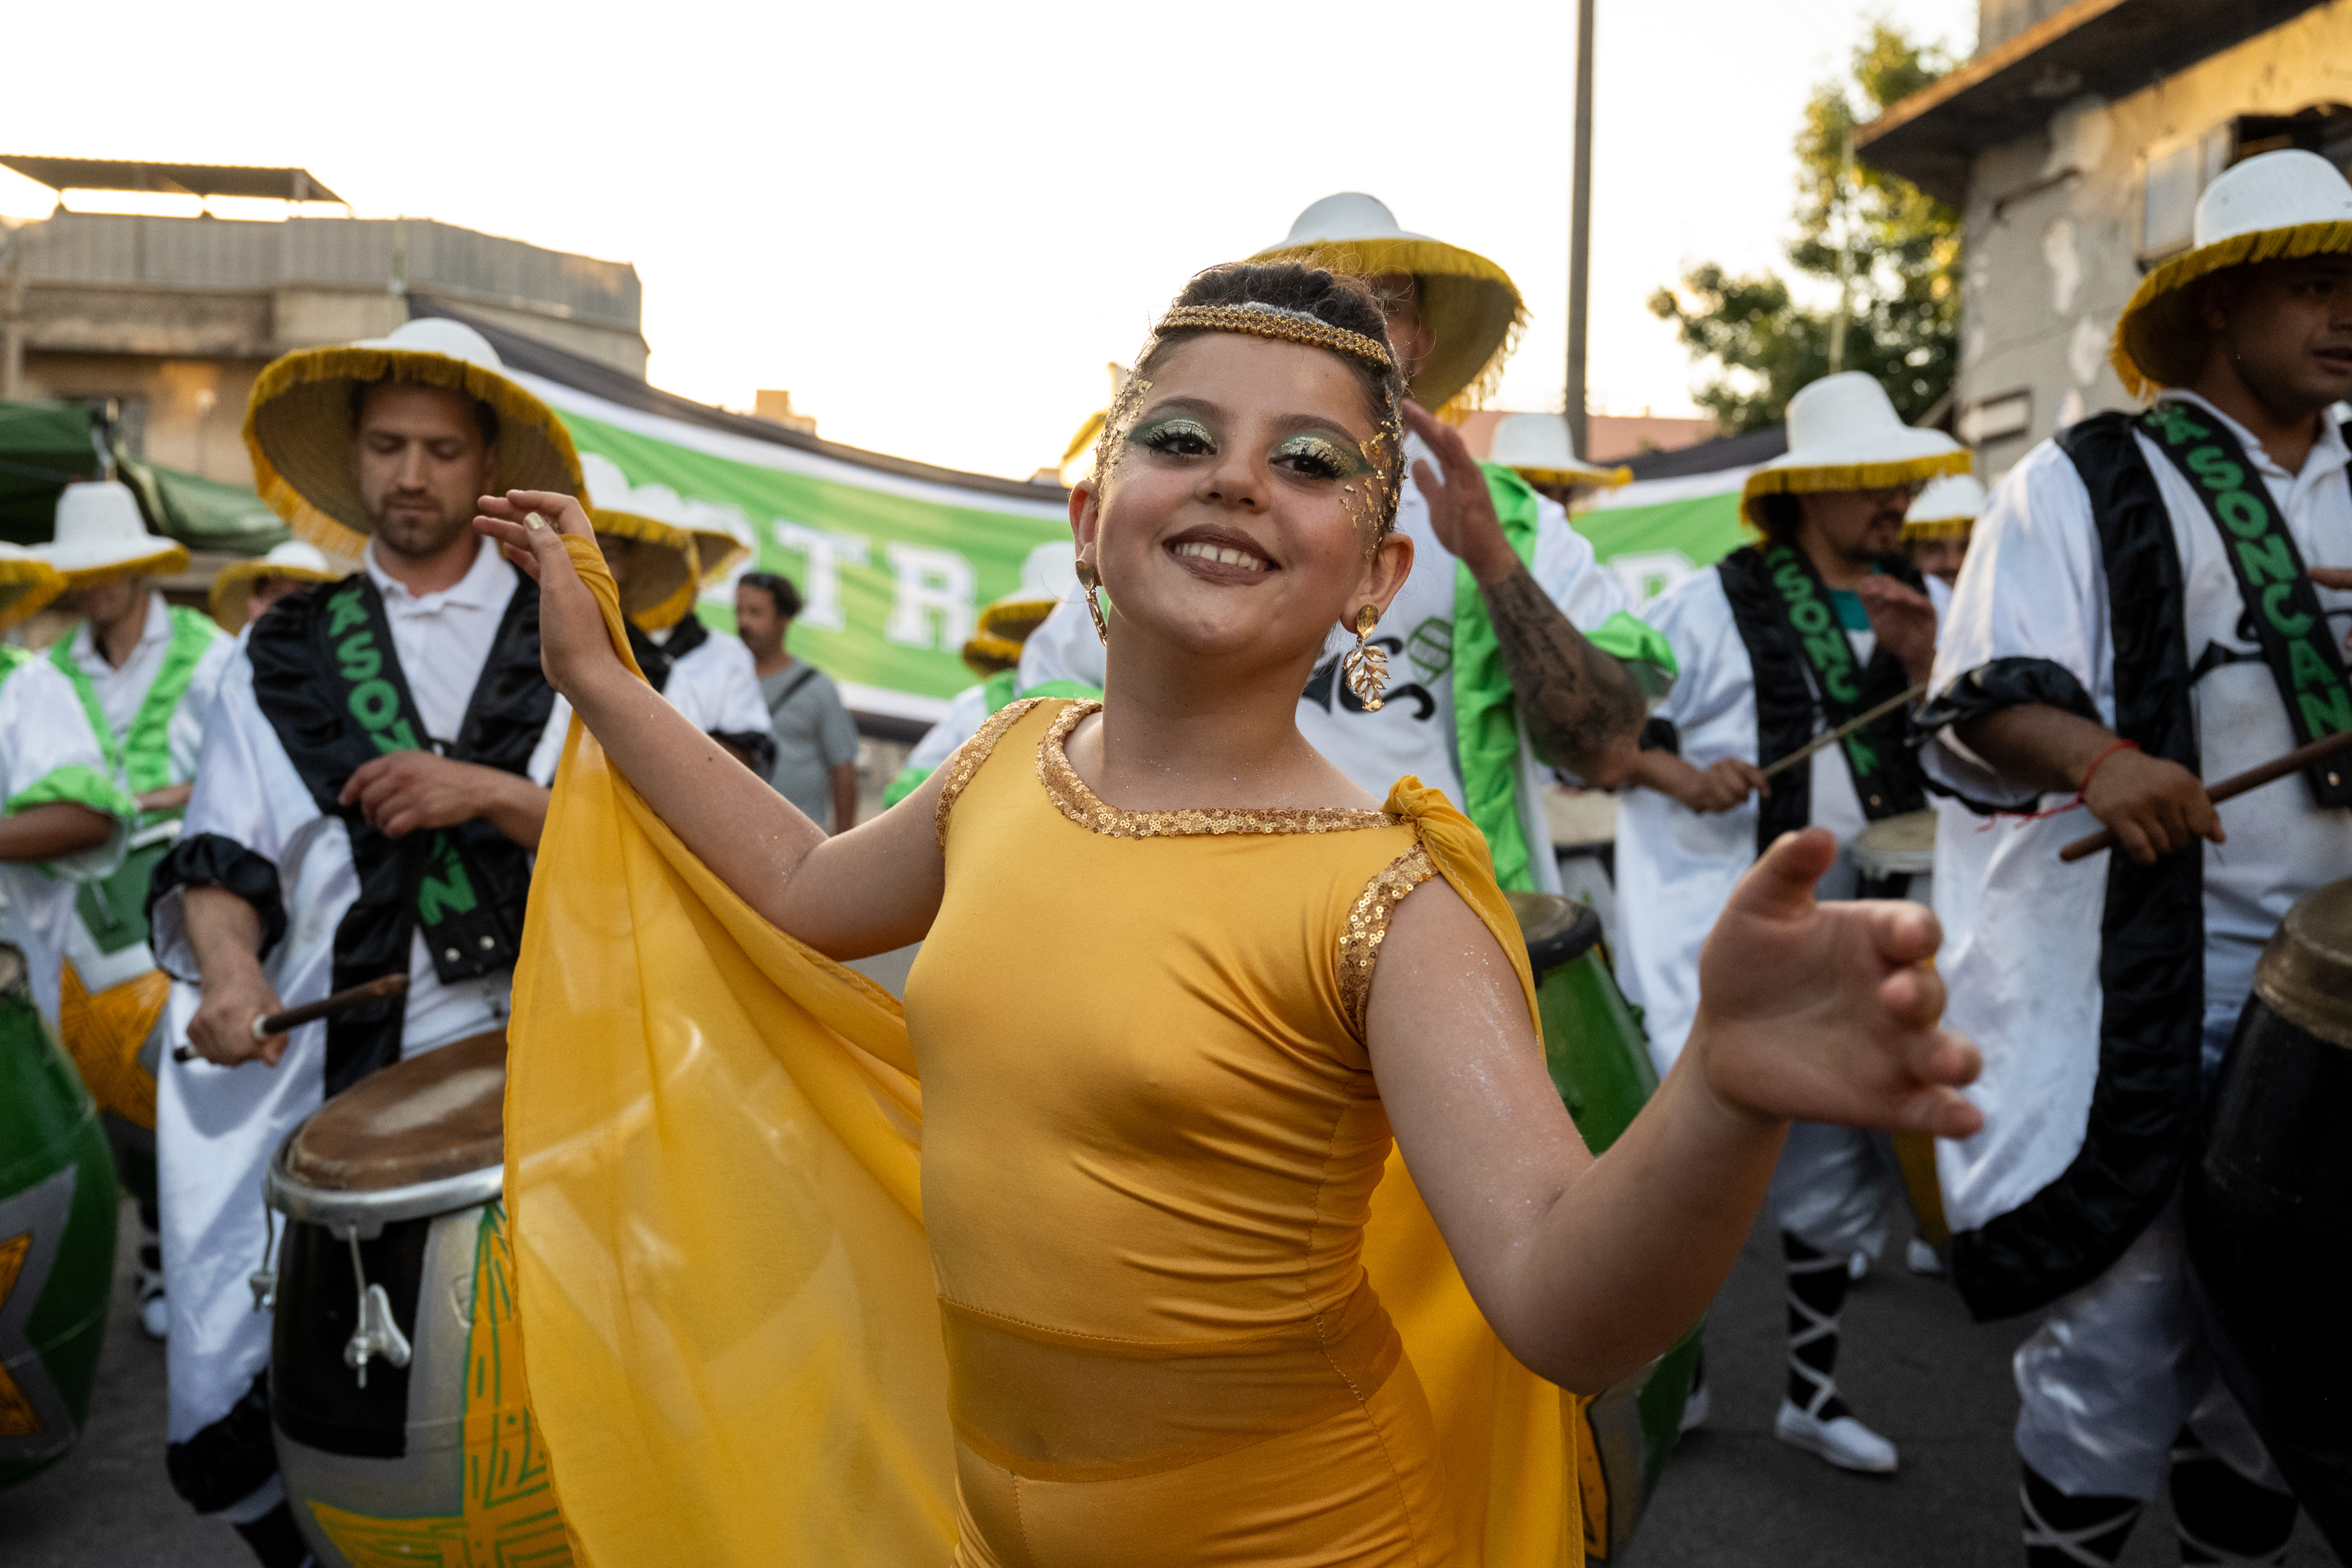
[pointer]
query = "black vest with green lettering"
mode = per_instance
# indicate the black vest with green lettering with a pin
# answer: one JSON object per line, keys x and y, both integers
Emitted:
{"x": 326, "y": 678}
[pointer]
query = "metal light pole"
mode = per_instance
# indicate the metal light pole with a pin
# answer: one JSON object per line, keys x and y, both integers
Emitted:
{"x": 1579, "y": 232}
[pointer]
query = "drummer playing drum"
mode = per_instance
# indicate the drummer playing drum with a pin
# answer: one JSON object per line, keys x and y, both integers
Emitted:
{"x": 1813, "y": 628}
{"x": 2135, "y": 616}
{"x": 368, "y": 796}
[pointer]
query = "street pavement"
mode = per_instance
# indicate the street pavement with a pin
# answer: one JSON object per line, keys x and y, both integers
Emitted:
{"x": 1912, "y": 1365}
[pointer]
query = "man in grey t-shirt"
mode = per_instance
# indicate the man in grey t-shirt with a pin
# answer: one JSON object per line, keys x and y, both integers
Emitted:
{"x": 816, "y": 743}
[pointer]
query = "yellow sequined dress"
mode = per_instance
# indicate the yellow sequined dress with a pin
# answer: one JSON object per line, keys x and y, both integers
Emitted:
{"x": 1161, "y": 1294}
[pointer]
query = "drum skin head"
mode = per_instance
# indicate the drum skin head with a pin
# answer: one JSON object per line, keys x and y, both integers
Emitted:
{"x": 1897, "y": 845}
{"x": 440, "y": 1114}
{"x": 2306, "y": 971}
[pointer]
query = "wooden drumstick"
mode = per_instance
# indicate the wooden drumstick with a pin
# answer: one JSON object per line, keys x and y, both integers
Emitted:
{"x": 1832, "y": 736}
{"x": 2294, "y": 761}
{"x": 358, "y": 996}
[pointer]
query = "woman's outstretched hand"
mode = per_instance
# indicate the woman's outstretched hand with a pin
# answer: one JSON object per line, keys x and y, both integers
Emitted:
{"x": 529, "y": 525}
{"x": 1829, "y": 1012}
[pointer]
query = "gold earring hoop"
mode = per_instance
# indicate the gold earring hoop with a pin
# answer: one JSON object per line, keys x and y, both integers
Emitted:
{"x": 1091, "y": 581}
{"x": 1366, "y": 665}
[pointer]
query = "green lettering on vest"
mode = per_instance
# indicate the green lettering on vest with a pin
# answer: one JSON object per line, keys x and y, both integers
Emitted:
{"x": 2325, "y": 713}
{"x": 395, "y": 737}
{"x": 1864, "y": 755}
{"x": 1809, "y": 617}
{"x": 2266, "y": 559}
{"x": 2171, "y": 422}
{"x": 2274, "y": 610}
{"x": 359, "y": 657}
{"x": 2241, "y": 514}
{"x": 375, "y": 703}
{"x": 2310, "y": 671}
{"x": 445, "y": 889}
{"x": 345, "y": 611}
{"x": 2216, "y": 471}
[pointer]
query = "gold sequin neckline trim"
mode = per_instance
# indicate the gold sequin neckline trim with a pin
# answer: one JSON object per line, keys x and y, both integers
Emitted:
{"x": 1368, "y": 925}
{"x": 1082, "y": 805}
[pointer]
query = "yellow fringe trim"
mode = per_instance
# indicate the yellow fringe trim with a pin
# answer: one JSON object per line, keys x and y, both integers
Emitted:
{"x": 27, "y": 587}
{"x": 160, "y": 563}
{"x": 988, "y": 653}
{"x": 306, "y": 367}
{"x": 2239, "y": 250}
{"x": 1026, "y": 613}
{"x": 716, "y": 553}
{"x": 1940, "y": 528}
{"x": 1605, "y": 479}
{"x": 1849, "y": 477}
{"x": 672, "y": 607}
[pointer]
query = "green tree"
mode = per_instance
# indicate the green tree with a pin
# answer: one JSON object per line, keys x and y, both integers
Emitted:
{"x": 1904, "y": 327}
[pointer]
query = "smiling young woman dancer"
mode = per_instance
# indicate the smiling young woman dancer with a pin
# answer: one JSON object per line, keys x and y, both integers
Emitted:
{"x": 1150, "y": 1187}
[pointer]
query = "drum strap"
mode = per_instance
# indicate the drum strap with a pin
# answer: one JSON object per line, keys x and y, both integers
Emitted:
{"x": 1807, "y": 678}
{"x": 2281, "y": 605}
{"x": 326, "y": 676}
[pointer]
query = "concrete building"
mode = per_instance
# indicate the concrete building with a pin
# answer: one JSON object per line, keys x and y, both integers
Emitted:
{"x": 174, "y": 317}
{"x": 2075, "y": 144}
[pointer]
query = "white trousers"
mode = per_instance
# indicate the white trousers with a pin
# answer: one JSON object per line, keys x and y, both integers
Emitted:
{"x": 1834, "y": 1186}
{"x": 2115, "y": 1371}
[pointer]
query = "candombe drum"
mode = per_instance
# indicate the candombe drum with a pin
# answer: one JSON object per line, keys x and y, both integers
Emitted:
{"x": 403, "y": 1422}
{"x": 2269, "y": 1207}
{"x": 1599, "y": 1062}
{"x": 57, "y": 1203}
{"x": 1896, "y": 859}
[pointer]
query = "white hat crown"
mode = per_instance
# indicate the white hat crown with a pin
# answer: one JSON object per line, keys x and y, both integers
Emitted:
{"x": 299, "y": 556}
{"x": 103, "y": 511}
{"x": 1838, "y": 409}
{"x": 2283, "y": 189}
{"x": 1346, "y": 215}
{"x": 1952, "y": 497}
{"x": 440, "y": 335}
{"x": 1540, "y": 441}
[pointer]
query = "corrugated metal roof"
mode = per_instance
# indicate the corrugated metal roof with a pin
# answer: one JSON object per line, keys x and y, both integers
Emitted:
{"x": 175, "y": 179}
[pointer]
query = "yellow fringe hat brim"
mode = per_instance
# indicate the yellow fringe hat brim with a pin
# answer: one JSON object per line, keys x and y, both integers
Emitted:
{"x": 1604, "y": 479}
{"x": 1797, "y": 480}
{"x": 27, "y": 587}
{"x": 987, "y": 653}
{"x": 716, "y": 554}
{"x": 234, "y": 584}
{"x": 1016, "y": 618}
{"x": 157, "y": 564}
{"x": 1470, "y": 305}
{"x": 298, "y": 428}
{"x": 660, "y": 589}
{"x": 2138, "y": 347}
{"x": 1939, "y": 528}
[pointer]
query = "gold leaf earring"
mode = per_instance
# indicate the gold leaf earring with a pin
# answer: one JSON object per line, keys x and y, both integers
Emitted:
{"x": 1366, "y": 665}
{"x": 1091, "y": 581}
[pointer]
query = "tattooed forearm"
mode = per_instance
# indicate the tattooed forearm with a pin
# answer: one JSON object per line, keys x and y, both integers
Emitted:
{"x": 1583, "y": 710}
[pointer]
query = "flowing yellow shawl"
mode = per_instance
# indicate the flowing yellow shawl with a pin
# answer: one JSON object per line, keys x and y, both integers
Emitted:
{"x": 713, "y": 1136}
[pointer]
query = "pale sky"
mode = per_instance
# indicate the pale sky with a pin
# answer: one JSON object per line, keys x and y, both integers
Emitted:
{"x": 935, "y": 224}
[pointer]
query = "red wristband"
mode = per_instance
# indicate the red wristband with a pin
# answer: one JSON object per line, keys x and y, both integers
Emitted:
{"x": 2092, "y": 771}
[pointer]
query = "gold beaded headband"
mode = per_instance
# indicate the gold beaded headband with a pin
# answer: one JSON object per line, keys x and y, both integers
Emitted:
{"x": 1273, "y": 321}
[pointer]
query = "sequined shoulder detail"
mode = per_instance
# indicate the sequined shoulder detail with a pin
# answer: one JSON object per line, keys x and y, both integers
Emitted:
{"x": 1082, "y": 805}
{"x": 971, "y": 754}
{"x": 1367, "y": 923}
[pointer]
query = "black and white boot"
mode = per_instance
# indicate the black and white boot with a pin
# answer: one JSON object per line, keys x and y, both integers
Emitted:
{"x": 1812, "y": 1417}
{"x": 2063, "y": 1531}
{"x": 2223, "y": 1517}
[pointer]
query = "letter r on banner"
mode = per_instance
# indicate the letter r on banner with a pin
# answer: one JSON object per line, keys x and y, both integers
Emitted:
{"x": 930, "y": 582}
{"x": 820, "y": 585}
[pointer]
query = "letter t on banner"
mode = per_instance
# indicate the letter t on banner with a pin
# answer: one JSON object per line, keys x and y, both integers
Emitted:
{"x": 827, "y": 552}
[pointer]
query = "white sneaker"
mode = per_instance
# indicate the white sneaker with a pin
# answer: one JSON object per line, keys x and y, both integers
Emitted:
{"x": 1857, "y": 1265}
{"x": 1844, "y": 1442}
{"x": 1695, "y": 1409}
{"x": 154, "y": 1312}
{"x": 1921, "y": 1258}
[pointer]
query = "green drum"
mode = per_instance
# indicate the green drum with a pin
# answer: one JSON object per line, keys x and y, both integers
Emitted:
{"x": 58, "y": 1204}
{"x": 1599, "y": 1061}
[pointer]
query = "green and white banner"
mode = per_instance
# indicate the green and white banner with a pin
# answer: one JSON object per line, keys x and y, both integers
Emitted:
{"x": 892, "y": 569}
{"x": 1654, "y": 532}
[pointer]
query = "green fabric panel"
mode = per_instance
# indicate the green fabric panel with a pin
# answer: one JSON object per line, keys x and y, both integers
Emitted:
{"x": 1485, "y": 719}
{"x": 1077, "y": 690}
{"x": 999, "y": 688}
{"x": 1645, "y": 652}
{"x": 44, "y": 446}
{"x": 1684, "y": 536}
{"x": 80, "y": 786}
{"x": 911, "y": 779}
{"x": 62, "y": 656}
{"x": 207, "y": 514}
{"x": 147, "y": 750}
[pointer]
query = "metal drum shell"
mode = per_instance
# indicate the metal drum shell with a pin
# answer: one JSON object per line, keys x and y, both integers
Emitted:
{"x": 1599, "y": 1062}
{"x": 57, "y": 1189}
{"x": 2268, "y": 1206}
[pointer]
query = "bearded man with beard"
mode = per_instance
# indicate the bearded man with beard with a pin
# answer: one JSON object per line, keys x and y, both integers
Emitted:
{"x": 373, "y": 783}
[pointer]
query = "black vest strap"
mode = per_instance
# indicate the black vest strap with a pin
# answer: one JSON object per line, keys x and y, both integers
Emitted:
{"x": 652, "y": 657}
{"x": 1806, "y": 677}
{"x": 690, "y": 634}
{"x": 2137, "y": 1137}
{"x": 326, "y": 676}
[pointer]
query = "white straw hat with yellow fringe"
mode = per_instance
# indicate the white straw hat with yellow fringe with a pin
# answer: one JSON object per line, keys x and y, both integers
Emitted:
{"x": 1470, "y": 305}
{"x": 27, "y": 584}
{"x": 234, "y": 584}
{"x": 1844, "y": 435}
{"x": 101, "y": 534}
{"x": 1539, "y": 448}
{"x": 1946, "y": 509}
{"x": 662, "y": 575}
{"x": 298, "y": 423}
{"x": 2274, "y": 206}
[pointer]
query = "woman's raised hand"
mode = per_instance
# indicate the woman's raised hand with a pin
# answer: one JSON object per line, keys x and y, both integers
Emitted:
{"x": 529, "y": 525}
{"x": 1829, "y": 1012}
